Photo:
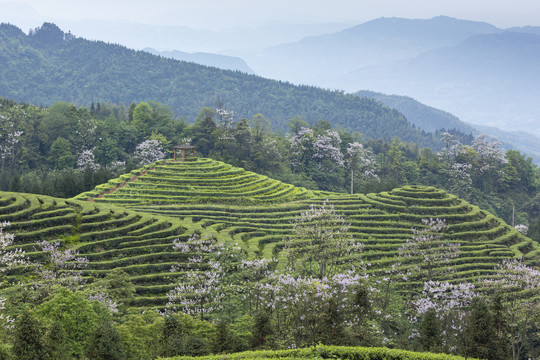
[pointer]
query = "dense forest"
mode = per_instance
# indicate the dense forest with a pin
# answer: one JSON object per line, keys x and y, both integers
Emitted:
{"x": 49, "y": 65}
{"x": 65, "y": 150}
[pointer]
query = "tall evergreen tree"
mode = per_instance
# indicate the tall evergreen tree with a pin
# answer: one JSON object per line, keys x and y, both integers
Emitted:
{"x": 430, "y": 332}
{"x": 105, "y": 343}
{"x": 27, "y": 342}
{"x": 56, "y": 346}
{"x": 172, "y": 337}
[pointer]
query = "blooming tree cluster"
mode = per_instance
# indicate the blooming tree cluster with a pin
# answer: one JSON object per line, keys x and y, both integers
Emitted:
{"x": 428, "y": 249}
{"x": 63, "y": 267}
{"x": 512, "y": 276}
{"x": 8, "y": 260}
{"x": 490, "y": 153}
{"x": 449, "y": 302}
{"x": 460, "y": 178}
{"x": 12, "y": 257}
{"x": 202, "y": 288}
{"x": 149, "y": 151}
{"x": 321, "y": 242}
{"x": 307, "y": 146}
{"x": 86, "y": 159}
{"x": 226, "y": 117}
{"x": 444, "y": 297}
{"x": 523, "y": 229}
{"x": 328, "y": 147}
{"x": 9, "y": 137}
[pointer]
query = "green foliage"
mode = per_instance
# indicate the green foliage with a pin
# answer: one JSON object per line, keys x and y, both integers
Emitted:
{"x": 76, "y": 315}
{"x": 56, "y": 343}
{"x": 60, "y": 154}
{"x": 140, "y": 335}
{"x": 331, "y": 352}
{"x": 105, "y": 343}
{"x": 430, "y": 332}
{"x": 481, "y": 334}
{"x": 262, "y": 329}
{"x": 27, "y": 343}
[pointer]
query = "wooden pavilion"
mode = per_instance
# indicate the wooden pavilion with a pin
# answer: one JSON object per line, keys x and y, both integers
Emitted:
{"x": 184, "y": 149}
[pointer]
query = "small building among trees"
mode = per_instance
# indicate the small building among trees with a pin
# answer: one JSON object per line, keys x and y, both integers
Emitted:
{"x": 184, "y": 149}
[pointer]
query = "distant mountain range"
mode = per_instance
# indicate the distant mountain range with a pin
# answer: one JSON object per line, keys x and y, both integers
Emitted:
{"x": 214, "y": 60}
{"x": 482, "y": 74}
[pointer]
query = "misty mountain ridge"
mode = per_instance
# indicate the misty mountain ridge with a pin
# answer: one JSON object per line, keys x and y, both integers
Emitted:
{"x": 488, "y": 79}
{"x": 208, "y": 59}
{"x": 482, "y": 74}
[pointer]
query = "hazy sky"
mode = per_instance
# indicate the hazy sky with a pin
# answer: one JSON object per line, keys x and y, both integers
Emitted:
{"x": 215, "y": 14}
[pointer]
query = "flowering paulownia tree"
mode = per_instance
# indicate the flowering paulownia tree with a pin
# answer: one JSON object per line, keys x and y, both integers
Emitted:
{"x": 523, "y": 315}
{"x": 9, "y": 137}
{"x": 361, "y": 162}
{"x": 428, "y": 249}
{"x": 448, "y": 302}
{"x": 307, "y": 147}
{"x": 86, "y": 159}
{"x": 149, "y": 151}
{"x": 201, "y": 290}
{"x": 321, "y": 242}
{"x": 8, "y": 260}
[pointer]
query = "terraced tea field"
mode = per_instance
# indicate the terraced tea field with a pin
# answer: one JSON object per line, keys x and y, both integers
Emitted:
{"x": 131, "y": 222}
{"x": 198, "y": 180}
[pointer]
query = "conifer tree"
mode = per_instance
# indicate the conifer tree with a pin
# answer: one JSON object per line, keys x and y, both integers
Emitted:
{"x": 430, "y": 332}
{"x": 262, "y": 329}
{"x": 172, "y": 337}
{"x": 105, "y": 343}
{"x": 27, "y": 342}
{"x": 56, "y": 345}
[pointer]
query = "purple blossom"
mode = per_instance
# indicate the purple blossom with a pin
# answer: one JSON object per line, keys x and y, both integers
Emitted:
{"x": 149, "y": 151}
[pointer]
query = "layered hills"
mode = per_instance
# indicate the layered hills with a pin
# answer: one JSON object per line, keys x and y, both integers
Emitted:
{"x": 49, "y": 65}
{"x": 131, "y": 223}
{"x": 483, "y": 74}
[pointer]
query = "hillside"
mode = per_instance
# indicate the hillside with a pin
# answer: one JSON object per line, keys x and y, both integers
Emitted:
{"x": 49, "y": 65}
{"x": 423, "y": 116}
{"x": 170, "y": 200}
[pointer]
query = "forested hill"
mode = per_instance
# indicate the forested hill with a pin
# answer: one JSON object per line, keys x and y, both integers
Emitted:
{"x": 48, "y": 65}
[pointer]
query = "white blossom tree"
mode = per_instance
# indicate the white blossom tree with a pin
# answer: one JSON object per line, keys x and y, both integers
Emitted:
{"x": 320, "y": 242}
{"x": 201, "y": 290}
{"x": 9, "y": 259}
{"x": 86, "y": 159}
{"x": 63, "y": 267}
{"x": 9, "y": 137}
{"x": 449, "y": 302}
{"x": 523, "y": 315}
{"x": 361, "y": 163}
{"x": 427, "y": 248}
{"x": 149, "y": 151}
